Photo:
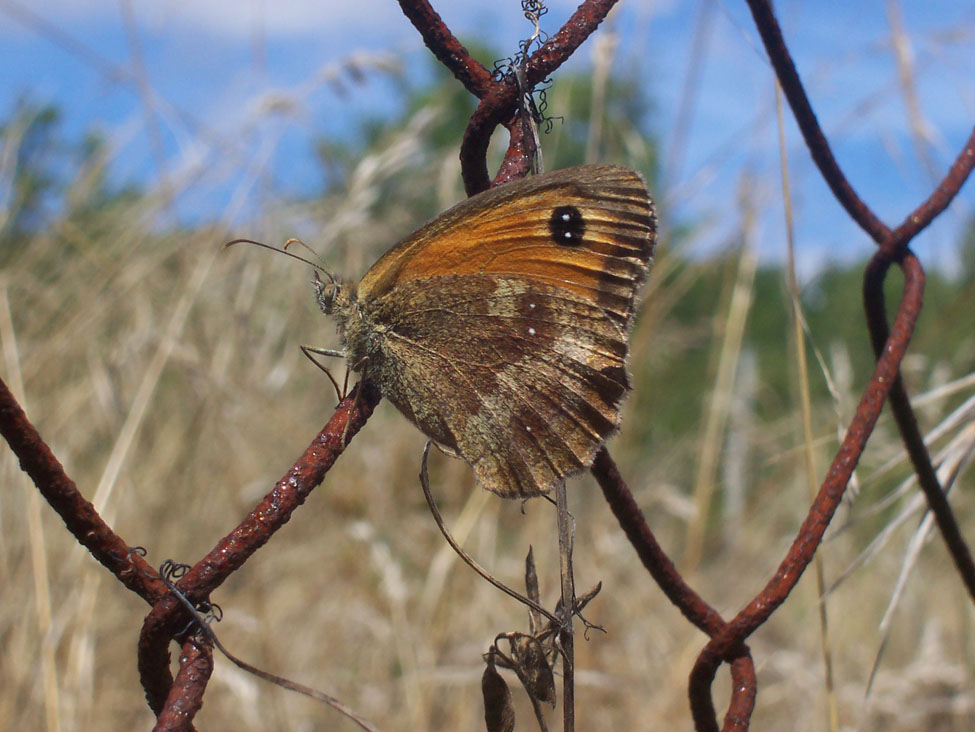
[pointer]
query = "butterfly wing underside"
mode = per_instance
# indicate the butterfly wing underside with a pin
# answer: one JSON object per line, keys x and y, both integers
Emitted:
{"x": 505, "y": 322}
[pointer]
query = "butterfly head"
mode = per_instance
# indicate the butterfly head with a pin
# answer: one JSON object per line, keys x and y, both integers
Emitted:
{"x": 326, "y": 292}
{"x": 338, "y": 299}
{"x": 334, "y": 296}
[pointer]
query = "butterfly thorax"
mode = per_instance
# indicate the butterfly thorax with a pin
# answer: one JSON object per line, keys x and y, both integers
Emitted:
{"x": 361, "y": 337}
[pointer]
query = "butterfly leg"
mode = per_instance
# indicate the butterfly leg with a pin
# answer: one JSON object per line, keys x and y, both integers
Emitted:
{"x": 358, "y": 392}
{"x": 309, "y": 350}
{"x": 330, "y": 352}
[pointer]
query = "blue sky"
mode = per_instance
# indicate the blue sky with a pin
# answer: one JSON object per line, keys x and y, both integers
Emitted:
{"x": 213, "y": 65}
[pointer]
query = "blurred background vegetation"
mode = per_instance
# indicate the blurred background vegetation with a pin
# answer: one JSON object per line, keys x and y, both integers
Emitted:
{"x": 166, "y": 376}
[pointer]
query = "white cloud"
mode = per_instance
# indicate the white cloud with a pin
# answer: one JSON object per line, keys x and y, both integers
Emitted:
{"x": 237, "y": 19}
{"x": 277, "y": 18}
{"x": 228, "y": 18}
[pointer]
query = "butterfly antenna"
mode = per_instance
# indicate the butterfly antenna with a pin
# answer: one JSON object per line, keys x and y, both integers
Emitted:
{"x": 319, "y": 267}
{"x": 317, "y": 256}
{"x": 299, "y": 242}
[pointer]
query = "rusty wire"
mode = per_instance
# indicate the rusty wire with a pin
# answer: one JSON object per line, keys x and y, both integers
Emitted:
{"x": 78, "y": 514}
{"x": 176, "y": 701}
{"x": 186, "y": 692}
{"x": 167, "y": 617}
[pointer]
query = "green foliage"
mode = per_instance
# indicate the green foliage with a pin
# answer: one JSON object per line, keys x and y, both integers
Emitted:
{"x": 30, "y": 136}
{"x": 966, "y": 252}
{"x": 53, "y": 178}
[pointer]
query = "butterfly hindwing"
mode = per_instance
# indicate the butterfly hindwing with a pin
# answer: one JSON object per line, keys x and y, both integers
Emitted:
{"x": 522, "y": 380}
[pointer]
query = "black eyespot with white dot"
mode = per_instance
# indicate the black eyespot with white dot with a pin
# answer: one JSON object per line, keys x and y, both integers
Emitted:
{"x": 567, "y": 226}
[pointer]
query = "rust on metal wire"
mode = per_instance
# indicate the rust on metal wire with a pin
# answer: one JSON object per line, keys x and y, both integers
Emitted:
{"x": 690, "y": 604}
{"x": 800, "y": 554}
{"x": 658, "y": 564}
{"x": 788, "y": 76}
{"x": 499, "y": 105}
{"x": 186, "y": 695}
{"x": 939, "y": 199}
{"x": 444, "y": 45}
{"x": 78, "y": 514}
{"x": 889, "y": 348}
{"x": 900, "y": 404}
{"x": 167, "y": 617}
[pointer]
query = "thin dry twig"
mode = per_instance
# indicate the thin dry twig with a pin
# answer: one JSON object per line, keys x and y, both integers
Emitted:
{"x": 532, "y": 604}
{"x": 566, "y": 637}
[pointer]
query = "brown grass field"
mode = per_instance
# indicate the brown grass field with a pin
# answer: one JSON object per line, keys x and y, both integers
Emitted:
{"x": 166, "y": 376}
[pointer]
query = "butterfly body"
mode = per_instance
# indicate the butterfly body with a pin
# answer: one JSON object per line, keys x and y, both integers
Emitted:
{"x": 500, "y": 328}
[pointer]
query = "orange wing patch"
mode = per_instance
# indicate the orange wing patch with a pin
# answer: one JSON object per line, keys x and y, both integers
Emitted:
{"x": 588, "y": 230}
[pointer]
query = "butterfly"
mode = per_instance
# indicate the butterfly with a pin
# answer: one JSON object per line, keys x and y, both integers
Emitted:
{"x": 500, "y": 328}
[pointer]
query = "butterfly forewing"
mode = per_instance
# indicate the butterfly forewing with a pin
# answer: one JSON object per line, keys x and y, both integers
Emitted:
{"x": 589, "y": 229}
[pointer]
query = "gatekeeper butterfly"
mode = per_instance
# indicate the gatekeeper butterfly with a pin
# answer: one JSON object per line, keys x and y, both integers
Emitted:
{"x": 500, "y": 327}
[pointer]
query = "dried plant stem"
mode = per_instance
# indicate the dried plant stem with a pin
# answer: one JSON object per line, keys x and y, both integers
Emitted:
{"x": 566, "y": 533}
{"x": 468, "y": 559}
{"x": 718, "y": 406}
{"x": 806, "y": 412}
{"x": 201, "y": 645}
{"x": 900, "y": 44}
{"x": 36, "y": 537}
